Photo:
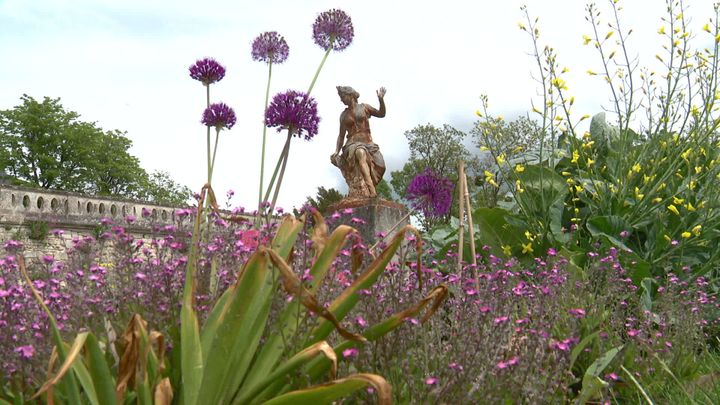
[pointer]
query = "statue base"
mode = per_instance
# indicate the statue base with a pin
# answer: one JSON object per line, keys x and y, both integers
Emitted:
{"x": 370, "y": 216}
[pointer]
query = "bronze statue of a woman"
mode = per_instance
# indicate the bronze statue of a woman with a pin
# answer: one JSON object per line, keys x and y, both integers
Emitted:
{"x": 361, "y": 162}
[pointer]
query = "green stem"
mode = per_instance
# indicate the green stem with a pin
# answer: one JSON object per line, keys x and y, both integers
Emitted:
{"x": 317, "y": 73}
{"x": 212, "y": 164}
{"x": 209, "y": 162}
{"x": 277, "y": 169}
{"x": 262, "y": 153}
{"x": 286, "y": 153}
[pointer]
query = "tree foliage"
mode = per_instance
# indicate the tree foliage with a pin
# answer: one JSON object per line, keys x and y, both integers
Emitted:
{"x": 438, "y": 149}
{"x": 511, "y": 142}
{"x": 46, "y": 146}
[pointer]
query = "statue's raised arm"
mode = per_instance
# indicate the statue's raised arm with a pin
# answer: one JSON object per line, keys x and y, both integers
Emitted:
{"x": 360, "y": 162}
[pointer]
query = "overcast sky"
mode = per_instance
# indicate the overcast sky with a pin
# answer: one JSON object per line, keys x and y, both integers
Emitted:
{"x": 124, "y": 64}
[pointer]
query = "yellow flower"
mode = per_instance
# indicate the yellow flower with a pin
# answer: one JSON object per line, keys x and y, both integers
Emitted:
{"x": 519, "y": 168}
{"x": 636, "y": 168}
{"x": 521, "y": 26}
{"x": 575, "y": 156}
{"x": 570, "y": 182}
{"x": 478, "y": 113}
{"x": 501, "y": 159}
{"x": 507, "y": 250}
{"x": 690, "y": 207}
{"x": 529, "y": 236}
{"x": 587, "y": 39}
{"x": 656, "y": 200}
{"x": 527, "y": 247}
{"x": 706, "y": 28}
{"x": 692, "y": 184}
{"x": 578, "y": 189}
{"x": 565, "y": 173}
{"x": 638, "y": 195}
{"x": 696, "y": 230}
{"x": 588, "y": 145}
{"x": 673, "y": 209}
{"x": 686, "y": 154}
{"x": 484, "y": 148}
{"x": 678, "y": 201}
{"x": 686, "y": 234}
{"x": 590, "y": 162}
{"x": 489, "y": 178}
{"x": 661, "y": 31}
{"x": 559, "y": 83}
{"x": 518, "y": 186}
{"x": 698, "y": 169}
{"x": 591, "y": 73}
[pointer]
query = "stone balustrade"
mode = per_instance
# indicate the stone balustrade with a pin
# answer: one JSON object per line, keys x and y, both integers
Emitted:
{"x": 18, "y": 205}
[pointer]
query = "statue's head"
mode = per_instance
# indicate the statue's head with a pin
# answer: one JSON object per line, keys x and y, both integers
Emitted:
{"x": 347, "y": 91}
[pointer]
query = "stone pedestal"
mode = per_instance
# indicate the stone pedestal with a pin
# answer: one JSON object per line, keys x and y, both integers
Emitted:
{"x": 370, "y": 216}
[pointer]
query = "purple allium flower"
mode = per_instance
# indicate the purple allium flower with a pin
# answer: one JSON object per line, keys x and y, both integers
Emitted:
{"x": 219, "y": 115}
{"x": 295, "y": 111}
{"x": 333, "y": 29}
{"x": 207, "y": 71}
{"x": 430, "y": 193}
{"x": 269, "y": 47}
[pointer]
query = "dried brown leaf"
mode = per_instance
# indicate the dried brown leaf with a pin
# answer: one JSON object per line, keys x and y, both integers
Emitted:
{"x": 69, "y": 359}
{"x": 163, "y": 392}
{"x": 319, "y": 235}
{"x": 293, "y": 286}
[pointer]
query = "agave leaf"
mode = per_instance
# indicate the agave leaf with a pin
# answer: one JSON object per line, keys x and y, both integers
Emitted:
{"x": 191, "y": 356}
{"x": 326, "y": 393}
{"x": 293, "y": 286}
{"x": 234, "y": 332}
{"x": 349, "y": 297}
{"x": 295, "y": 362}
{"x": 274, "y": 347}
{"x": 100, "y": 372}
{"x": 436, "y": 296}
{"x": 69, "y": 385}
{"x": 163, "y": 393}
{"x": 237, "y": 326}
{"x": 72, "y": 355}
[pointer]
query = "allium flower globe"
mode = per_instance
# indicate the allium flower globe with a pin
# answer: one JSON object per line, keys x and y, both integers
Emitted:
{"x": 219, "y": 115}
{"x": 270, "y": 47}
{"x": 333, "y": 28}
{"x": 295, "y": 111}
{"x": 430, "y": 194}
{"x": 207, "y": 71}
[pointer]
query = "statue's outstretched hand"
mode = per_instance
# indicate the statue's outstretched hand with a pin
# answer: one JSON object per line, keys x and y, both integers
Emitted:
{"x": 381, "y": 92}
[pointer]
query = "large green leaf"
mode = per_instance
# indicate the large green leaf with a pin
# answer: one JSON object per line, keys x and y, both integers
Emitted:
{"x": 327, "y": 393}
{"x": 592, "y": 383}
{"x": 349, "y": 297}
{"x": 610, "y": 227}
{"x": 294, "y": 363}
{"x": 496, "y": 230}
{"x": 100, "y": 372}
{"x": 274, "y": 347}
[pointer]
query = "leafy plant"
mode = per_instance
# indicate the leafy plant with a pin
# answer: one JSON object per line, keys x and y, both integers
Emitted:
{"x": 223, "y": 362}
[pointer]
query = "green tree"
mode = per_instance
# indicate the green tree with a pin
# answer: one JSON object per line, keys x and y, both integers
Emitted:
{"x": 43, "y": 145}
{"x": 430, "y": 147}
{"x": 160, "y": 188}
{"x": 324, "y": 199}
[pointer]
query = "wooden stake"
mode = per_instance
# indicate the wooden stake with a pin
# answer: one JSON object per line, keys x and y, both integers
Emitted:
{"x": 461, "y": 214}
{"x": 466, "y": 191}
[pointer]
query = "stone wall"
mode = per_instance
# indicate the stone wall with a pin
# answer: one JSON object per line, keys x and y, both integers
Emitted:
{"x": 77, "y": 215}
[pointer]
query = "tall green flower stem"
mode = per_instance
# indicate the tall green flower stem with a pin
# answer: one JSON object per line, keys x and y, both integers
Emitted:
{"x": 322, "y": 62}
{"x": 282, "y": 161}
{"x": 262, "y": 153}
